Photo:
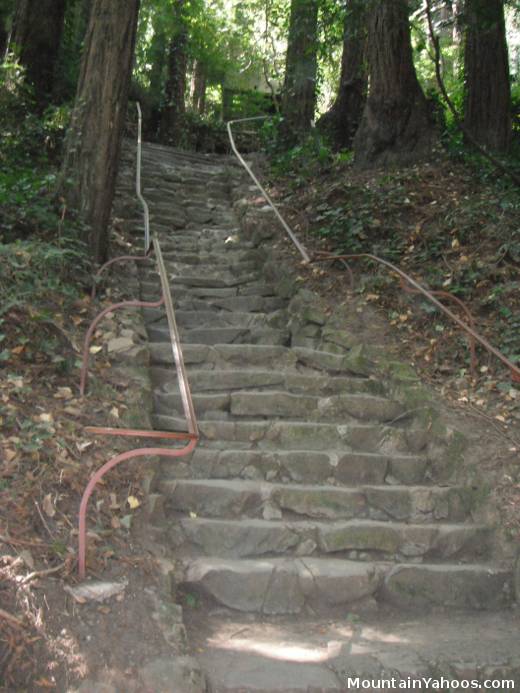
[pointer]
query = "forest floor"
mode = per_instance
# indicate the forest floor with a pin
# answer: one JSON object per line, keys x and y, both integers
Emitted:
{"x": 49, "y": 638}
{"x": 442, "y": 223}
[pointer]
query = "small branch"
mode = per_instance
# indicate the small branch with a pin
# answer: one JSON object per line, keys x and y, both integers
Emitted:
{"x": 12, "y": 619}
{"x": 42, "y": 573}
{"x": 458, "y": 121}
{"x": 22, "y": 542}
{"x": 44, "y": 521}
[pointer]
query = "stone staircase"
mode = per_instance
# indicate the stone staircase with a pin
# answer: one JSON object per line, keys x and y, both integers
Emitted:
{"x": 311, "y": 490}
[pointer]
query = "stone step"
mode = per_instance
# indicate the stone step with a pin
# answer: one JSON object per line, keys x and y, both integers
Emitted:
{"x": 357, "y": 539}
{"x": 278, "y": 404}
{"x": 255, "y": 356}
{"x": 330, "y": 467}
{"x": 225, "y": 278}
{"x": 222, "y": 335}
{"x": 194, "y": 319}
{"x": 232, "y": 304}
{"x": 227, "y": 265}
{"x": 236, "y": 498}
{"x": 294, "y": 435}
{"x": 232, "y": 379}
{"x": 274, "y": 586}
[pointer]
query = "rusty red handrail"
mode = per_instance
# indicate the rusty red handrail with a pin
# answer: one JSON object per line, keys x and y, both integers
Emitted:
{"x": 329, "y": 257}
{"x": 97, "y": 476}
{"x": 120, "y": 258}
{"x": 192, "y": 435}
{"x": 464, "y": 307}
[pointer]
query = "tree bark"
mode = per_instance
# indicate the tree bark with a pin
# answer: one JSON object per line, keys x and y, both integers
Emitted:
{"x": 396, "y": 127}
{"x": 93, "y": 140}
{"x": 172, "y": 119}
{"x": 35, "y": 37}
{"x": 6, "y": 12}
{"x": 198, "y": 98}
{"x": 299, "y": 93}
{"x": 342, "y": 120}
{"x": 487, "y": 113}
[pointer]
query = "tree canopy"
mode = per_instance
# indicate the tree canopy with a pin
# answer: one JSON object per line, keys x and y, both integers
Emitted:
{"x": 389, "y": 79}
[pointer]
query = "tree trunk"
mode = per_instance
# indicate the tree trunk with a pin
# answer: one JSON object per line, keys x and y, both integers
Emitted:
{"x": 94, "y": 137}
{"x": 299, "y": 94}
{"x": 69, "y": 57}
{"x": 6, "y": 11}
{"x": 396, "y": 127}
{"x": 342, "y": 120}
{"x": 36, "y": 35}
{"x": 227, "y": 103}
{"x": 172, "y": 120}
{"x": 198, "y": 98}
{"x": 487, "y": 89}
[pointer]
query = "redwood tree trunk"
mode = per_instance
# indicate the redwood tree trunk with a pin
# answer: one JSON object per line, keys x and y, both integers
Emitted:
{"x": 172, "y": 120}
{"x": 342, "y": 120}
{"x": 199, "y": 88}
{"x": 299, "y": 94}
{"x": 36, "y": 35}
{"x": 94, "y": 137}
{"x": 488, "y": 93}
{"x": 396, "y": 127}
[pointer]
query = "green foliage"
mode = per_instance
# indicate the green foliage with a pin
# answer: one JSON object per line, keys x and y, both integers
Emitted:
{"x": 39, "y": 251}
{"x": 306, "y": 159}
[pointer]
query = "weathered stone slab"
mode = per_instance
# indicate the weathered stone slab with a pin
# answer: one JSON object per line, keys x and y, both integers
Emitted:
{"x": 247, "y": 537}
{"x": 213, "y": 498}
{"x": 336, "y": 582}
{"x": 465, "y": 587}
{"x": 316, "y": 502}
{"x": 363, "y": 407}
{"x": 233, "y": 672}
{"x": 181, "y": 674}
{"x": 273, "y": 404}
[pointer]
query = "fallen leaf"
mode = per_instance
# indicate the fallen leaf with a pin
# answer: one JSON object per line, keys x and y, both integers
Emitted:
{"x": 8, "y": 454}
{"x": 46, "y": 418}
{"x": 114, "y": 505}
{"x": 133, "y": 502}
{"x": 63, "y": 393}
{"x": 27, "y": 558}
{"x": 95, "y": 349}
{"x": 83, "y": 446}
{"x": 48, "y": 506}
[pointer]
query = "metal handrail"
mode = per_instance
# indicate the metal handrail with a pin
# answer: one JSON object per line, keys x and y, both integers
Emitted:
{"x": 288, "y": 230}
{"x": 191, "y": 437}
{"x": 329, "y": 257}
{"x": 146, "y": 211}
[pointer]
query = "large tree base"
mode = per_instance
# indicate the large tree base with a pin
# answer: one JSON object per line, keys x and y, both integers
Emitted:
{"x": 394, "y": 134}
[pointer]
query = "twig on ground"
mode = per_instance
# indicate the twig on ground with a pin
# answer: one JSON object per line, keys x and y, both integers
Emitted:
{"x": 44, "y": 521}
{"x": 12, "y": 619}
{"x": 42, "y": 573}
